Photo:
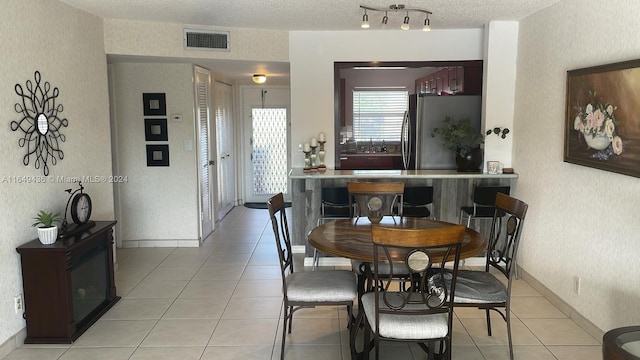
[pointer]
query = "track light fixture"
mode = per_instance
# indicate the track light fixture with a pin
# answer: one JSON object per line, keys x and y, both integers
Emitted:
{"x": 395, "y": 8}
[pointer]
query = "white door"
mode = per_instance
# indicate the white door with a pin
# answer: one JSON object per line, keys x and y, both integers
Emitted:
{"x": 206, "y": 168}
{"x": 266, "y": 140}
{"x": 224, "y": 145}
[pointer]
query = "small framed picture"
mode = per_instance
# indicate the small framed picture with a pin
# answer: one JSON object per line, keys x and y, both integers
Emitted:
{"x": 154, "y": 104}
{"x": 157, "y": 155}
{"x": 155, "y": 130}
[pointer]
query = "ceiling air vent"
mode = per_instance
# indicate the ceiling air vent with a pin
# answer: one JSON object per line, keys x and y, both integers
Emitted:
{"x": 206, "y": 40}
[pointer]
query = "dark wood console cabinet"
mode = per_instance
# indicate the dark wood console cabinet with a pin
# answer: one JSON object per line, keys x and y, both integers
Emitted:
{"x": 68, "y": 285}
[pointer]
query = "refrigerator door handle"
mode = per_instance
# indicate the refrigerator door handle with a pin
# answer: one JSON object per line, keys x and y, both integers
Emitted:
{"x": 405, "y": 140}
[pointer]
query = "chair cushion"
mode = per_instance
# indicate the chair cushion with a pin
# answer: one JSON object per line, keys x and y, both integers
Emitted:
{"x": 475, "y": 287}
{"x": 405, "y": 327}
{"x": 321, "y": 286}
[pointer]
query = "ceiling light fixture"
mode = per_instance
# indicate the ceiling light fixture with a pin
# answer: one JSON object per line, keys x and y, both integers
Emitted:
{"x": 365, "y": 20}
{"x": 405, "y": 23}
{"x": 427, "y": 25}
{"x": 259, "y": 78}
{"x": 395, "y": 8}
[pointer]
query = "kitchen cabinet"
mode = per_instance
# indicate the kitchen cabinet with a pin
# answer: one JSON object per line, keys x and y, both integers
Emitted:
{"x": 371, "y": 162}
{"x": 452, "y": 80}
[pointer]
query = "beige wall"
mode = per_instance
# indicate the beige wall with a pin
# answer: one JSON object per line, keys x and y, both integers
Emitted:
{"x": 66, "y": 46}
{"x": 126, "y": 37}
{"x": 158, "y": 205}
{"x": 582, "y": 221}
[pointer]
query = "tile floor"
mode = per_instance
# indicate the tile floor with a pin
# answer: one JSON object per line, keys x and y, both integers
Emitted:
{"x": 223, "y": 301}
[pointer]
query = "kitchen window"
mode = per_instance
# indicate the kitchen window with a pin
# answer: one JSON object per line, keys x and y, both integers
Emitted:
{"x": 378, "y": 113}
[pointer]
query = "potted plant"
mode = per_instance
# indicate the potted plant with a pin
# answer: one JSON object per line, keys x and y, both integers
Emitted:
{"x": 462, "y": 139}
{"x": 47, "y": 231}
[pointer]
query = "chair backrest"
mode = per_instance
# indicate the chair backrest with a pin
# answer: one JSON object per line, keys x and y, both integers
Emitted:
{"x": 376, "y": 199}
{"x": 486, "y": 195}
{"x": 418, "y": 195}
{"x": 424, "y": 295}
{"x": 502, "y": 247}
{"x": 335, "y": 202}
{"x": 417, "y": 201}
{"x": 280, "y": 226}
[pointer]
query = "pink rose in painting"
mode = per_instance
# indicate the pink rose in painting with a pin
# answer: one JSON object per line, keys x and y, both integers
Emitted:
{"x": 591, "y": 121}
{"x": 617, "y": 145}
{"x": 598, "y": 119}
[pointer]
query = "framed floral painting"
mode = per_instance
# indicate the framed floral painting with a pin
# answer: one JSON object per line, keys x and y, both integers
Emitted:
{"x": 602, "y": 127}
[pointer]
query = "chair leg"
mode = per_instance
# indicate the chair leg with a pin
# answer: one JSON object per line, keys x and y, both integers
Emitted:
{"x": 508, "y": 319}
{"x": 290, "y": 318}
{"x": 316, "y": 259}
{"x": 488, "y": 322}
{"x": 284, "y": 330}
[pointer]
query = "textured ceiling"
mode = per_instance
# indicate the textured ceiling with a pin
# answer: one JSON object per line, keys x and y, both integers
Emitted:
{"x": 307, "y": 14}
{"x": 315, "y": 15}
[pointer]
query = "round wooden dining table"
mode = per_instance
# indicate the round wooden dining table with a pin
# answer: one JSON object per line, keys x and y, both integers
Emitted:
{"x": 351, "y": 238}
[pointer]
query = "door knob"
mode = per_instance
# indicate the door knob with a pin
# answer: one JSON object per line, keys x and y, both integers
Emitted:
{"x": 212, "y": 162}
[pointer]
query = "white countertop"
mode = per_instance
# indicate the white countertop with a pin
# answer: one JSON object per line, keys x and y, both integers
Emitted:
{"x": 298, "y": 173}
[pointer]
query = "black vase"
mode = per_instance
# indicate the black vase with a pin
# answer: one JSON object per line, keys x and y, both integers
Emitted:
{"x": 471, "y": 162}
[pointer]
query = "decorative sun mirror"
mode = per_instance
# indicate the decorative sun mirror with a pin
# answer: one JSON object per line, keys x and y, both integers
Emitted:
{"x": 40, "y": 123}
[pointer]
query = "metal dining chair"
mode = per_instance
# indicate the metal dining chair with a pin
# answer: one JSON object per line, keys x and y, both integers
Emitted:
{"x": 306, "y": 289}
{"x": 376, "y": 199}
{"x": 483, "y": 208}
{"x": 423, "y": 313}
{"x": 483, "y": 289}
{"x": 334, "y": 204}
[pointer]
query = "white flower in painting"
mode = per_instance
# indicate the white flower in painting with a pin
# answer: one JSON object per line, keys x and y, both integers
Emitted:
{"x": 610, "y": 109}
{"x": 616, "y": 143}
{"x": 609, "y": 128}
{"x": 589, "y": 109}
{"x": 577, "y": 122}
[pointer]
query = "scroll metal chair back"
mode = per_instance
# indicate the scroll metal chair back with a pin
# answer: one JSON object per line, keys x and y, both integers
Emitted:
{"x": 376, "y": 199}
{"x": 484, "y": 199}
{"x": 306, "y": 289}
{"x": 482, "y": 289}
{"x": 423, "y": 313}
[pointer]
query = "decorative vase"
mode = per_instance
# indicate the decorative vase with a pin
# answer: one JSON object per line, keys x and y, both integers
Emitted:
{"x": 48, "y": 235}
{"x": 598, "y": 141}
{"x": 471, "y": 162}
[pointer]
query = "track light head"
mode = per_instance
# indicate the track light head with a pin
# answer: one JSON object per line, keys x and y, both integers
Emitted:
{"x": 405, "y": 23}
{"x": 427, "y": 26}
{"x": 365, "y": 20}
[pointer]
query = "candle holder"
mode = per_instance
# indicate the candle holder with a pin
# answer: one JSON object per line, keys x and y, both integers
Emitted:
{"x": 314, "y": 164}
{"x": 307, "y": 161}
{"x": 321, "y": 167}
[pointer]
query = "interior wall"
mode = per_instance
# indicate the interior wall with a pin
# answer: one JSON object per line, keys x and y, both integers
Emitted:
{"x": 159, "y": 205}
{"x": 66, "y": 46}
{"x": 128, "y": 37}
{"x": 582, "y": 222}
{"x": 312, "y": 92}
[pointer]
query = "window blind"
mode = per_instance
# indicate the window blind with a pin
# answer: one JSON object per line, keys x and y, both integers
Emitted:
{"x": 378, "y": 114}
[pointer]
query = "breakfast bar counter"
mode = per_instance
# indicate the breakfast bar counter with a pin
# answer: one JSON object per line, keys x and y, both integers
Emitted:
{"x": 452, "y": 190}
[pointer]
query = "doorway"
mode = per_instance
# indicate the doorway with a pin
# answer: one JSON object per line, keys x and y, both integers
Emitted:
{"x": 206, "y": 168}
{"x": 267, "y": 127}
{"x": 224, "y": 144}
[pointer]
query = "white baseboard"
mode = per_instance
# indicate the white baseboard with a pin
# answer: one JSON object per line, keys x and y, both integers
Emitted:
{"x": 13, "y": 343}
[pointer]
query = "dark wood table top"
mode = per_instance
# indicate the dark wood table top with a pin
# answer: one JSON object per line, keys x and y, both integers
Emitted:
{"x": 352, "y": 239}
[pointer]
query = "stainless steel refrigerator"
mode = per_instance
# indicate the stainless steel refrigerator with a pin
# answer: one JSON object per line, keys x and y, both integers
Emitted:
{"x": 419, "y": 149}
